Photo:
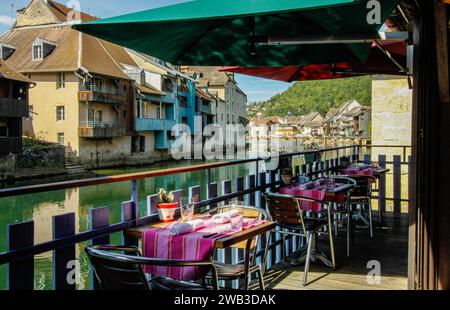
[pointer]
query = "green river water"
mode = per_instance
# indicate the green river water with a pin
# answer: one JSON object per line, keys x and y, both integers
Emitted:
{"x": 43, "y": 206}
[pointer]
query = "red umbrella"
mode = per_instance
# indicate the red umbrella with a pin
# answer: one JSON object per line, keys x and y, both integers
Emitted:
{"x": 378, "y": 63}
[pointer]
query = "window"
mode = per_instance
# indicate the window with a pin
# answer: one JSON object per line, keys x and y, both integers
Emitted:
{"x": 37, "y": 52}
{"x": 60, "y": 80}
{"x": 137, "y": 144}
{"x": 60, "y": 137}
{"x": 158, "y": 112}
{"x": 60, "y": 113}
{"x": 31, "y": 112}
{"x": 95, "y": 117}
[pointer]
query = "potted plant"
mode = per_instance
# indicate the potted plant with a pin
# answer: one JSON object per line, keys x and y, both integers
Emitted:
{"x": 166, "y": 206}
{"x": 286, "y": 176}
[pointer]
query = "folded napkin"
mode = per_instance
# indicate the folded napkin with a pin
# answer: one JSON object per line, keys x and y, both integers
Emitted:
{"x": 186, "y": 228}
{"x": 250, "y": 223}
{"x": 225, "y": 217}
{"x": 308, "y": 185}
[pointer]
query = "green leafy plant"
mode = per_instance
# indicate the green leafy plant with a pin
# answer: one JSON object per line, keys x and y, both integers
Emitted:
{"x": 164, "y": 196}
{"x": 287, "y": 171}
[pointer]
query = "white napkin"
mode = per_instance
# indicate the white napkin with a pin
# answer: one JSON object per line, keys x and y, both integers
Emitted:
{"x": 186, "y": 228}
{"x": 225, "y": 217}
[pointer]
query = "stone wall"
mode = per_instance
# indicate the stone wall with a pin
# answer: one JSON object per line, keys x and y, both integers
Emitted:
{"x": 33, "y": 162}
{"x": 391, "y": 113}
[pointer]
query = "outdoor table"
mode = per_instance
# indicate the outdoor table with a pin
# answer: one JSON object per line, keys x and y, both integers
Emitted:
{"x": 325, "y": 193}
{"x": 159, "y": 242}
{"x": 221, "y": 243}
{"x": 377, "y": 172}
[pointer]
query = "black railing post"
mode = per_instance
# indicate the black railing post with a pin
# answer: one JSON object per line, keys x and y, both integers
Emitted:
{"x": 98, "y": 218}
{"x": 65, "y": 267}
{"x": 381, "y": 189}
{"x": 128, "y": 213}
{"x": 397, "y": 185}
{"x": 21, "y": 272}
{"x": 135, "y": 198}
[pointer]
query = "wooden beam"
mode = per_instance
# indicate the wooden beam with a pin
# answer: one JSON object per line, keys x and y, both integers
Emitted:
{"x": 442, "y": 50}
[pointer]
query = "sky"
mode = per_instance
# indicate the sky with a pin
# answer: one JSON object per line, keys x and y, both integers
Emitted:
{"x": 256, "y": 89}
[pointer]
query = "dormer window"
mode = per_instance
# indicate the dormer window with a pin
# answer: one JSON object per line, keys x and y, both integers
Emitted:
{"x": 6, "y": 50}
{"x": 42, "y": 48}
{"x": 37, "y": 52}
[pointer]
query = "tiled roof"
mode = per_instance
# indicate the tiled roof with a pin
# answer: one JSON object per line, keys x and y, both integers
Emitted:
{"x": 6, "y": 72}
{"x": 203, "y": 95}
{"x": 149, "y": 89}
{"x": 74, "y": 50}
{"x": 62, "y": 12}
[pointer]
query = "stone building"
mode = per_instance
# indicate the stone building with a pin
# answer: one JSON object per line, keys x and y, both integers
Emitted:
{"x": 391, "y": 113}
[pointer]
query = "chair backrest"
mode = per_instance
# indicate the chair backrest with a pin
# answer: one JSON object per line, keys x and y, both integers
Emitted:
{"x": 363, "y": 186}
{"x": 114, "y": 273}
{"x": 283, "y": 209}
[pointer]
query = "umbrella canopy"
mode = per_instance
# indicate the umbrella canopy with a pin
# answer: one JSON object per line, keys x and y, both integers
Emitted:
{"x": 247, "y": 32}
{"x": 378, "y": 63}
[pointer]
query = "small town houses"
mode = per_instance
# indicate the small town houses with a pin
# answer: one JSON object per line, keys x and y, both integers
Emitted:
{"x": 350, "y": 120}
{"x": 106, "y": 104}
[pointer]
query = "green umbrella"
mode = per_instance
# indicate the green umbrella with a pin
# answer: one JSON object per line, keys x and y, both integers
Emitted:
{"x": 248, "y": 33}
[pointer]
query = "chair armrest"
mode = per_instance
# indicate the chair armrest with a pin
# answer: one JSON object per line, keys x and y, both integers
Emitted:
{"x": 120, "y": 248}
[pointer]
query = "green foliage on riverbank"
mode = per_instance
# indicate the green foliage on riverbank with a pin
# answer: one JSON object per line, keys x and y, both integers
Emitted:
{"x": 305, "y": 97}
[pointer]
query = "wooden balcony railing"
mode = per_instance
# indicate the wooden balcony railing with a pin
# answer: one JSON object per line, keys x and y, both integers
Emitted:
{"x": 96, "y": 129}
{"x": 14, "y": 108}
{"x": 102, "y": 95}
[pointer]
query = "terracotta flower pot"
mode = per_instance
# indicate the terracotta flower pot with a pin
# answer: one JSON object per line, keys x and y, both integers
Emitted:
{"x": 287, "y": 179}
{"x": 166, "y": 211}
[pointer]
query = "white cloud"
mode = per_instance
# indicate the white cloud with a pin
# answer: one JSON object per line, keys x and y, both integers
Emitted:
{"x": 6, "y": 20}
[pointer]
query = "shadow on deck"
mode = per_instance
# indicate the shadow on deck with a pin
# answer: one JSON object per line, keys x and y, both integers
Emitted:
{"x": 389, "y": 246}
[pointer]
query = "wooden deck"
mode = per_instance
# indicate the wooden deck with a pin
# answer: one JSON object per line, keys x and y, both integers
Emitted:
{"x": 389, "y": 247}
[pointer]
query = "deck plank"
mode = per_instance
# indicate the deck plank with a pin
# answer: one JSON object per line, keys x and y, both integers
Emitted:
{"x": 389, "y": 247}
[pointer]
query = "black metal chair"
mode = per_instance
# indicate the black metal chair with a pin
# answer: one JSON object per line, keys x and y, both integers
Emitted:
{"x": 361, "y": 196}
{"x": 342, "y": 210}
{"x": 290, "y": 216}
{"x": 116, "y": 271}
{"x": 243, "y": 270}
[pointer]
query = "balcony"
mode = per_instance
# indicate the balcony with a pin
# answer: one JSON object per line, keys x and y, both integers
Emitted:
{"x": 154, "y": 124}
{"x": 10, "y": 145}
{"x": 101, "y": 94}
{"x": 204, "y": 108}
{"x": 13, "y": 107}
{"x": 100, "y": 130}
{"x": 162, "y": 141}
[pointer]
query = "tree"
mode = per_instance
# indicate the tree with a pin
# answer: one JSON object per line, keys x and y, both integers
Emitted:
{"x": 309, "y": 96}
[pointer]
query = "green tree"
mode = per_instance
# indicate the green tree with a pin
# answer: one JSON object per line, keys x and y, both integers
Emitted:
{"x": 309, "y": 96}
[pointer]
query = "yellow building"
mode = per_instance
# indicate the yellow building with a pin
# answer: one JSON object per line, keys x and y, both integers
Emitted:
{"x": 82, "y": 99}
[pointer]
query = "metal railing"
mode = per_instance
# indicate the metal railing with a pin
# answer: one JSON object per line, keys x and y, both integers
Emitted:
{"x": 102, "y": 89}
{"x": 97, "y": 124}
{"x": 21, "y": 247}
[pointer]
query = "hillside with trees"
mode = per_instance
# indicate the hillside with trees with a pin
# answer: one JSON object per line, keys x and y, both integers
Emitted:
{"x": 310, "y": 96}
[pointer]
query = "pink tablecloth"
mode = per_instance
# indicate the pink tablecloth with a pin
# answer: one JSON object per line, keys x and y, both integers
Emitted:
{"x": 318, "y": 193}
{"x": 356, "y": 171}
{"x": 160, "y": 243}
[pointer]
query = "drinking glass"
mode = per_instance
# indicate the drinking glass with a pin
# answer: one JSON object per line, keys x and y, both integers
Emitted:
{"x": 237, "y": 221}
{"x": 187, "y": 210}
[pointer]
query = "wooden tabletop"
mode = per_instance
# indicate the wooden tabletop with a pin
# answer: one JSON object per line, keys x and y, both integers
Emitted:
{"x": 222, "y": 243}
